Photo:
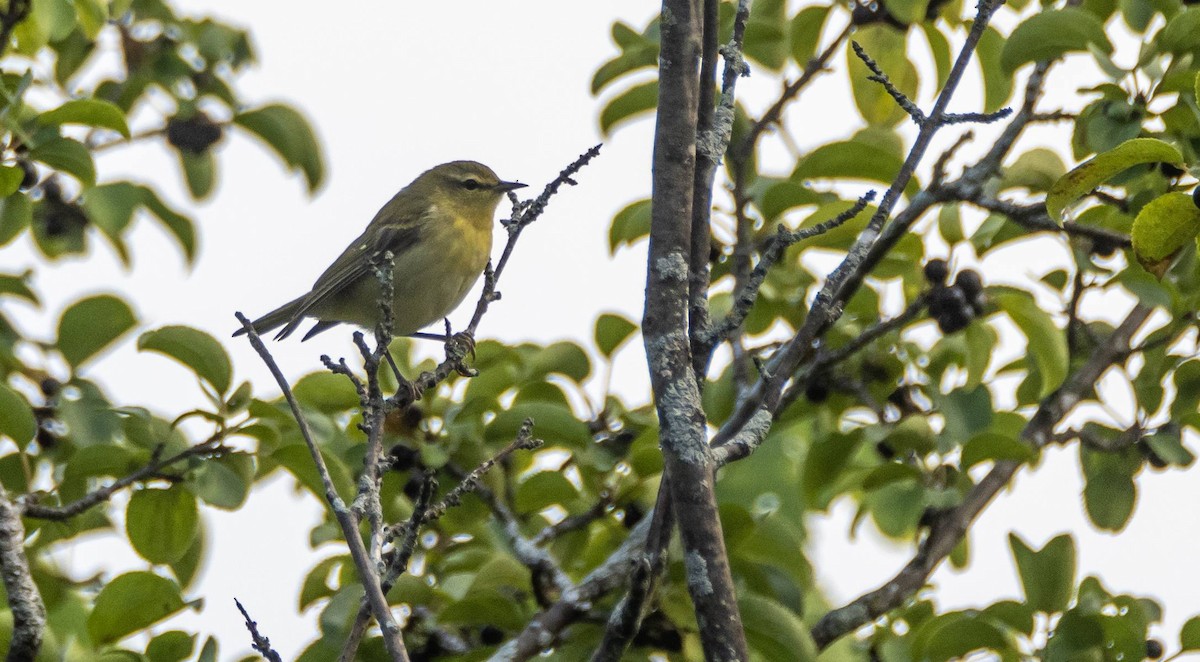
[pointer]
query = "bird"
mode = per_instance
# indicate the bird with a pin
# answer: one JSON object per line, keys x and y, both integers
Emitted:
{"x": 439, "y": 231}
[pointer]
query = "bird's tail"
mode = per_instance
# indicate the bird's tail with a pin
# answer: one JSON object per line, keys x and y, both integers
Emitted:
{"x": 276, "y": 318}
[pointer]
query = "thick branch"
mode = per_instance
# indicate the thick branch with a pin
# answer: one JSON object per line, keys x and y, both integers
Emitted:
{"x": 665, "y": 333}
{"x": 24, "y": 600}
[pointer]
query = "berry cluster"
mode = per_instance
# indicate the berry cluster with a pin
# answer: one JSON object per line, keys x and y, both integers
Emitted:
{"x": 954, "y": 305}
{"x": 193, "y": 134}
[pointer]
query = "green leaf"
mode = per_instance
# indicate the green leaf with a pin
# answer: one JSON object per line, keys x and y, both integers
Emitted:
{"x": 543, "y": 489}
{"x": 806, "y": 33}
{"x": 1179, "y": 34}
{"x": 10, "y": 180}
{"x": 939, "y": 48}
{"x": 69, "y": 156}
{"x": 883, "y": 43}
{"x": 130, "y": 603}
{"x": 637, "y": 52}
{"x": 93, "y": 16}
{"x": 629, "y": 225}
{"x": 1047, "y": 344}
{"x": 955, "y": 634}
{"x": 1087, "y": 176}
{"x": 781, "y": 195}
{"x": 17, "y": 286}
{"x": 224, "y": 482}
{"x": 1109, "y": 492}
{"x": 852, "y": 159}
{"x": 993, "y": 446}
{"x": 611, "y": 331}
{"x": 193, "y": 348}
{"x": 1169, "y": 447}
{"x": 177, "y": 224}
{"x": 634, "y": 101}
{"x": 88, "y": 112}
{"x": 774, "y": 631}
{"x": 1189, "y": 634}
{"x": 997, "y": 83}
{"x": 326, "y": 392}
{"x": 564, "y": 358}
{"x": 162, "y": 524}
{"x": 286, "y": 132}
{"x": 1052, "y": 34}
{"x": 90, "y": 325}
{"x": 173, "y": 646}
{"x": 907, "y": 12}
{"x": 1047, "y": 574}
{"x": 200, "y": 171}
{"x": 16, "y": 212}
{"x": 1164, "y": 226}
{"x": 1037, "y": 170}
{"x": 16, "y": 418}
{"x": 766, "y": 39}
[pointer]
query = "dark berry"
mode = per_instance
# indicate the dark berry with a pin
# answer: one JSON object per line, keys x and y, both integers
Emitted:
{"x": 1103, "y": 247}
{"x": 953, "y": 322}
{"x": 816, "y": 391}
{"x": 936, "y": 272}
{"x": 633, "y": 515}
{"x": 1154, "y": 649}
{"x": 29, "y": 179}
{"x": 902, "y": 399}
{"x": 46, "y": 439}
{"x": 970, "y": 282}
{"x": 403, "y": 458}
{"x": 491, "y": 635}
{"x": 412, "y": 489}
{"x": 50, "y": 387}
{"x": 193, "y": 134}
{"x": 1196, "y": 196}
{"x": 947, "y": 300}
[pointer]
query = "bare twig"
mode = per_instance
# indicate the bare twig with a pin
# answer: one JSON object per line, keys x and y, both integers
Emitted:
{"x": 368, "y": 573}
{"x": 259, "y": 642}
{"x": 211, "y": 447}
{"x": 745, "y": 297}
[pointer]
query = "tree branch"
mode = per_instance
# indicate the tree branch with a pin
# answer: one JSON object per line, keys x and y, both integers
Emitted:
{"x": 665, "y": 334}
{"x": 368, "y": 573}
{"x": 24, "y": 600}
{"x": 951, "y": 526}
{"x": 259, "y": 642}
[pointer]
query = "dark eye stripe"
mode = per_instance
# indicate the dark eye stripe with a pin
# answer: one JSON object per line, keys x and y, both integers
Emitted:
{"x": 471, "y": 184}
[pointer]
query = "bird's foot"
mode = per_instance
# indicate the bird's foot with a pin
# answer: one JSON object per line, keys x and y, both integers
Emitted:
{"x": 458, "y": 347}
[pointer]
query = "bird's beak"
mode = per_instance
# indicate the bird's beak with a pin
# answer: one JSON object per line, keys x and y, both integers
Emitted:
{"x": 505, "y": 187}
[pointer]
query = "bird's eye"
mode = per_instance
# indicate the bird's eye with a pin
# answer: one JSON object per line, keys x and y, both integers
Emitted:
{"x": 471, "y": 184}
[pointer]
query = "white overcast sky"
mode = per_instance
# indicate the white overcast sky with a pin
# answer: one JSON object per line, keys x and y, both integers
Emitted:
{"x": 395, "y": 87}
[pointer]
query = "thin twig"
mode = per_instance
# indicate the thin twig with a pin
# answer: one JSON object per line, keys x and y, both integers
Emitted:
{"x": 368, "y": 573}
{"x": 211, "y": 447}
{"x": 259, "y": 642}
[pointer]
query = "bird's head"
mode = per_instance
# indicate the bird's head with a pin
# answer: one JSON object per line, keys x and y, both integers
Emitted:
{"x": 467, "y": 189}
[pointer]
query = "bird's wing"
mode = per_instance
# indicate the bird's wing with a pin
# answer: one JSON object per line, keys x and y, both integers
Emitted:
{"x": 355, "y": 263}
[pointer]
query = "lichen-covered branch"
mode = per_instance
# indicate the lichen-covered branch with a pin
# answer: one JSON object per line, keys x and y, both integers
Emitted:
{"x": 24, "y": 600}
